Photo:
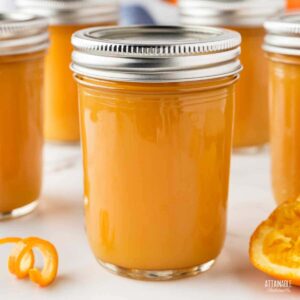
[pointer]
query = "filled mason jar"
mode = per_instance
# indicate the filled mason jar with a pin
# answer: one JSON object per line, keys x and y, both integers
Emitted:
{"x": 24, "y": 40}
{"x": 251, "y": 129}
{"x": 156, "y": 111}
{"x": 282, "y": 45}
{"x": 66, "y": 17}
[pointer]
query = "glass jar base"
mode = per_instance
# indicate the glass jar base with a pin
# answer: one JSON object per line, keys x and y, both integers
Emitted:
{"x": 62, "y": 142}
{"x": 157, "y": 275}
{"x": 250, "y": 150}
{"x": 19, "y": 212}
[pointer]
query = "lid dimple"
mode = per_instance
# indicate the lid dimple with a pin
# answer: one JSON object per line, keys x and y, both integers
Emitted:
{"x": 154, "y": 36}
{"x": 155, "y": 53}
{"x": 155, "y": 41}
{"x": 22, "y": 33}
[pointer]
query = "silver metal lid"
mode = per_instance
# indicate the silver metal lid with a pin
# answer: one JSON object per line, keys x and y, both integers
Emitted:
{"x": 283, "y": 34}
{"x": 73, "y": 11}
{"x": 245, "y": 13}
{"x": 156, "y": 53}
{"x": 22, "y": 33}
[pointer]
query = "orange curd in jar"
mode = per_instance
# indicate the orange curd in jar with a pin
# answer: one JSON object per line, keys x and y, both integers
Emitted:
{"x": 251, "y": 129}
{"x": 282, "y": 45}
{"x": 292, "y": 5}
{"x": 24, "y": 39}
{"x": 156, "y": 139}
{"x": 66, "y": 17}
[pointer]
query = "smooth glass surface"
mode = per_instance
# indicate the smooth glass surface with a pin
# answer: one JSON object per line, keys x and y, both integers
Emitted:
{"x": 284, "y": 77}
{"x": 156, "y": 171}
{"x": 61, "y": 101}
{"x": 61, "y": 108}
{"x": 21, "y": 136}
{"x": 251, "y": 112}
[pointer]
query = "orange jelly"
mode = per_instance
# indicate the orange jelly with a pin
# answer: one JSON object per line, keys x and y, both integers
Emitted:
{"x": 156, "y": 188}
{"x": 293, "y": 4}
{"x": 285, "y": 126}
{"x": 66, "y": 17}
{"x": 21, "y": 136}
{"x": 156, "y": 143}
{"x": 251, "y": 110}
{"x": 284, "y": 78}
{"x": 61, "y": 108}
{"x": 251, "y": 129}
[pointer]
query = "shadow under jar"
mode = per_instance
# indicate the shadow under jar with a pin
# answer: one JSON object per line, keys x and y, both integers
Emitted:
{"x": 24, "y": 39}
{"x": 156, "y": 112}
{"x": 66, "y": 16}
{"x": 251, "y": 128}
{"x": 282, "y": 44}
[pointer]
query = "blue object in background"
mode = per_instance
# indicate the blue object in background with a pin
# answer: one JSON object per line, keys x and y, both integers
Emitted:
{"x": 135, "y": 14}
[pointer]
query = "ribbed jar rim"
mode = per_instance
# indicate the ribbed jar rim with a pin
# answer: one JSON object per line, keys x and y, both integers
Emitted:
{"x": 283, "y": 34}
{"x": 62, "y": 12}
{"x": 244, "y": 13}
{"x": 156, "y": 53}
{"x": 22, "y": 33}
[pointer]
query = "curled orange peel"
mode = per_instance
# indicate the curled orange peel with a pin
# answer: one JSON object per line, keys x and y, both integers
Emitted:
{"x": 21, "y": 260}
{"x": 17, "y": 266}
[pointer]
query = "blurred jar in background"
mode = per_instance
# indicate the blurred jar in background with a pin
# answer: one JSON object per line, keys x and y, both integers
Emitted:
{"x": 66, "y": 17}
{"x": 251, "y": 129}
{"x": 282, "y": 45}
{"x": 292, "y": 4}
{"x": 24, "y": 39}
{"x": 156, "y": 111}
{"x": 171, "y": 1}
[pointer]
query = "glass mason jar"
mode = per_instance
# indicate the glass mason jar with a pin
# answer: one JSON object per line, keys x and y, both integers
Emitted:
{"x": 251, "y": 129}
{"x": 156, "y": 113}
{"x": 282, "y": 45}
{"x": 24, "y": 39}
{"x": 66, "y": 17}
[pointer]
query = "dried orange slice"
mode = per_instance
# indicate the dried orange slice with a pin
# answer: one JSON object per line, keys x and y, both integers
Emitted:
{"x": 275, "y": 244}
{"x": 21, "y": 260}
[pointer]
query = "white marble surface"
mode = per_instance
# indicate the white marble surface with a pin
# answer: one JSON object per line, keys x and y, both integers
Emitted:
{"x": 59, "y": 218}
